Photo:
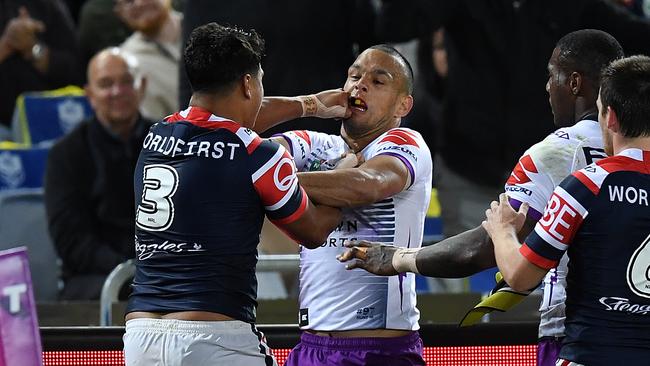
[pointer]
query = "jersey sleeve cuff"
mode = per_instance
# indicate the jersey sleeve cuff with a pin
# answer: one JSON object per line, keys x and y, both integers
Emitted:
{"x": 296, "y": 214}
{"x": 532, "y": 213}
{"x": 536, "y": 259}
{"x": 406, "y": 162}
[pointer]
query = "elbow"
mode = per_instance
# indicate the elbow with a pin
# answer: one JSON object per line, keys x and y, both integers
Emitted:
{"x": 317, "y": 236}
{"x": 314, "y": 240}
{"x": 517, "y": 283}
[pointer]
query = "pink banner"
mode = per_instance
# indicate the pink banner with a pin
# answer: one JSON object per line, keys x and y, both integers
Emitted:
{"x": 20, "y": 340}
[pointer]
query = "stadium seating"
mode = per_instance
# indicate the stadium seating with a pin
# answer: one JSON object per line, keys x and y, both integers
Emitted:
{"x": 23, "y": 223}
{"x": 40, "y": 118}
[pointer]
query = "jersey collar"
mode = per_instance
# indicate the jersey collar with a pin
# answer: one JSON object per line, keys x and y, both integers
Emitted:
{"x": 201, "y": 117}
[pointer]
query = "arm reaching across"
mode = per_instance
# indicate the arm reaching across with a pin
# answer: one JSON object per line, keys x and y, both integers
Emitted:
{"x": 459, "y": 256}
{"x": 380, "y": 259}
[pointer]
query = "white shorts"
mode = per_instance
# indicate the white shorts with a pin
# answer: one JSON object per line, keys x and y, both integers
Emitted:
{"x": 169, "y": 342}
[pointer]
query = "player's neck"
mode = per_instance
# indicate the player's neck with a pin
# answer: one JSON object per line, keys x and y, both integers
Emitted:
{"x": 583, "y": 113}
{"x": 226, "y": 107}
{"x": 622, "y": 143}
{"x": 358, "y": 140}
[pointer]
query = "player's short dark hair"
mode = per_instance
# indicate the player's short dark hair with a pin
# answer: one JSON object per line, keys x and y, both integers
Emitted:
{"x": 216, "y": 56}
{"x": 625, "y": 87}
{"x": 395, "y": 53}
{"x": 588, "y": 51}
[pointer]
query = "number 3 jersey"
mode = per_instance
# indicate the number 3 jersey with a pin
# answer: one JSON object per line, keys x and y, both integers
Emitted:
{"x": 600, "y": 215}
{"x": 538, "y": 172}
{"x": 333, "y": 298}
{"x": 202, "y": 187}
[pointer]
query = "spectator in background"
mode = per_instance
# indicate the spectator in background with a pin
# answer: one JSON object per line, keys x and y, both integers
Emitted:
{"x": 156, "y": 43}
{"x": 308, "y": 47}
{"x": 494, "y": 108}
{"x": 99, "y": 28}
{"x": 89, "y": 177}
{"x": 38, "y": 50}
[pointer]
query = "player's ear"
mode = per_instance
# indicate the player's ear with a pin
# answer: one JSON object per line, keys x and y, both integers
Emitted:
{"x": 405, "y": 106}
{"x": 612, "y": 120}
{"x": 575, "y": 83}
{"x": 246, "y": 86}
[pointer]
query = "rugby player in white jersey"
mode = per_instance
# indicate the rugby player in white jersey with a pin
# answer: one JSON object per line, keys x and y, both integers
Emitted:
{"x": 574, "y": 77}
{"x": 352, "y": 317}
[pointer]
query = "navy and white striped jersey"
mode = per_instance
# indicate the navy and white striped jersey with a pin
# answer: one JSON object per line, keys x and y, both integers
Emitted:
{"x": 202, "y": 187}
{"x": 600, "y": 215}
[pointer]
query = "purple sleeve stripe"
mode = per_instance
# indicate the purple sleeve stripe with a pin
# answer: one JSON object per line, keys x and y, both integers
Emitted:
{"x": 288, "y": 140}
{"x": 406, "y": 162}
{"x": 532, "y": 213}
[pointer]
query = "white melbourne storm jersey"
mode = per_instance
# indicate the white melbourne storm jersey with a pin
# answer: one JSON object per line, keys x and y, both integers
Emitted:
{"x": 538, "y": 172}
{"x": 333, "y": 298}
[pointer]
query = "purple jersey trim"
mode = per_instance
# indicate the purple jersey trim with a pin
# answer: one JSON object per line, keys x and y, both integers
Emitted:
{"x": 532, "y": 213}
{"x": 288, "y": 140}
{"x": 406, "y": 162}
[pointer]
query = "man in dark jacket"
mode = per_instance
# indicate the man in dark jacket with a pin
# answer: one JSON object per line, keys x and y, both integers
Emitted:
{"x": 89, "y": 177}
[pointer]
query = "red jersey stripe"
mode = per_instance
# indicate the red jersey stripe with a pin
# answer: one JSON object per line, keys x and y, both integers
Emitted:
{"x": 535, "y": 258}
{"x": 254, "y": 144}
{"x": 593, "y": 187}
{"x": 303, "y": 135}
{"x": 203, "y": 118}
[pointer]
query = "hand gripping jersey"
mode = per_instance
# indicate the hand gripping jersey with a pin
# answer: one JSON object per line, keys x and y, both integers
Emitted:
{"x": 538, "y": 172}
{"x": 333, "y": 298}
{"x": 202, "y": 187}
{"x": 601, "y": 216}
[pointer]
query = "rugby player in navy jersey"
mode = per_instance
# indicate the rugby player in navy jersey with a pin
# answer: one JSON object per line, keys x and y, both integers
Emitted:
{"x": 600, "y": 216}
{"x": 574, "y": 77}
{"x": 203, "y": 184}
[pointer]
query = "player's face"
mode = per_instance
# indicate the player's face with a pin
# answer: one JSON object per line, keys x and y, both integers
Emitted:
{"x": 560, "y": 97}
{"x": 378, "y": 79}
{"x": 607, "y": 134}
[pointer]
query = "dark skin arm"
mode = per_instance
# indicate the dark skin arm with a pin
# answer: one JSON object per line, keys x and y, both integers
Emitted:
{"x": 458, "y": 256}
